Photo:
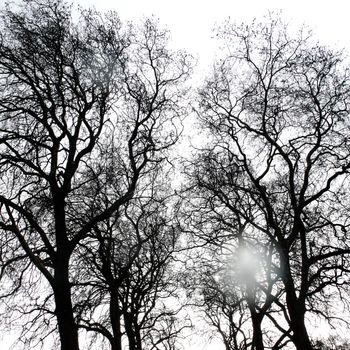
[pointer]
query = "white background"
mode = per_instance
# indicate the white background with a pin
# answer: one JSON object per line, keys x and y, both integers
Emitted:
{"x": 191, "y": 23}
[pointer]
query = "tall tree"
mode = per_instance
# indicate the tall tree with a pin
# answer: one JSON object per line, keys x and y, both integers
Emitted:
{"x": 130, "y": 252}
{"x": 130, "y": 273}
{"x": 66, "y": 87}
{"x": 276, "y": 112}
{"x": 235, "y": 285}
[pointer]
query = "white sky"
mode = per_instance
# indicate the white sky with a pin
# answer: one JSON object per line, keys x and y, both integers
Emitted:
{"x": 191, "y": 23}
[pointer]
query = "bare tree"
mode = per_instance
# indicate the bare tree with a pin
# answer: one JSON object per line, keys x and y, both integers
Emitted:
{"x": 222, "y": 302}
{"x": 130, "y": 271}
{"x": 276, "y": 113}
{"x": 236, "y": 286}
{"x": 130, "y": 252}
{"x": 66, "y": 89}
{"x": 332, "y": 342}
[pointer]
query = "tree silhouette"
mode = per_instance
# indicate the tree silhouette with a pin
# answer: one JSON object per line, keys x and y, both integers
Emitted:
{"x": 71, "y": 92}
{"x": 276, "y": 114}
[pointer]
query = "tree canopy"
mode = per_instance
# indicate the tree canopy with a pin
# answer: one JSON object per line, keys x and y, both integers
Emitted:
{"x": 112, "y": 237}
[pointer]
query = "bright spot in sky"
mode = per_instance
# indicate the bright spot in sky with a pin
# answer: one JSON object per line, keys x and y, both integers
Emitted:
{"x": 247, "y": 261}
{"x": 246, "y": 268}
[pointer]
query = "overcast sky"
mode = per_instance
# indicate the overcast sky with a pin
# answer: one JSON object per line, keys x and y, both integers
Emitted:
{"x": 191, "y": 23}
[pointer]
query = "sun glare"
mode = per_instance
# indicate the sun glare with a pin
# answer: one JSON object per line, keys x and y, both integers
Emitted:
{"x": 247, "y": 261}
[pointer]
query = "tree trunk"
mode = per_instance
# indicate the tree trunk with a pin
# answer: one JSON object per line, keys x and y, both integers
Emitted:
{"x": 257, "y": 342}
{"x": 301, "y": 338}
{"x": 115, "y": 315}
{"x": 296, "y": 308}
{"x": 133, "y": 334}
{"x": 64, "y": 313}
{"x": 67, "y": 327}
{"x": 138, "y": 338}
{"x": 129, "y": 331}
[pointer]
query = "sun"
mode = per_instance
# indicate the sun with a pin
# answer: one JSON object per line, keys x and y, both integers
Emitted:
{"x": 247, "y": 262}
